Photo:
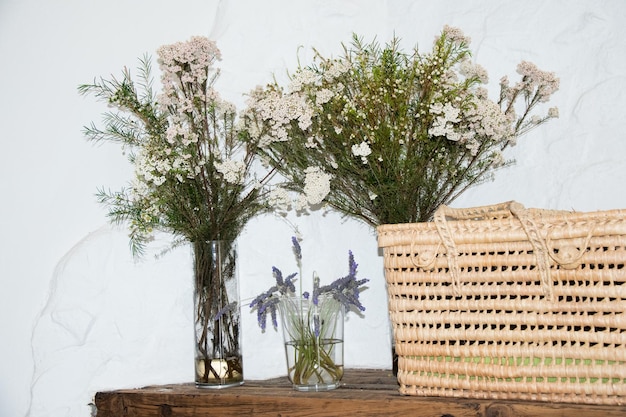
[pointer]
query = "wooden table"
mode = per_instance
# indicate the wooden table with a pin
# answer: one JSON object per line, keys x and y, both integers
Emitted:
{"x": 364, "y": 393}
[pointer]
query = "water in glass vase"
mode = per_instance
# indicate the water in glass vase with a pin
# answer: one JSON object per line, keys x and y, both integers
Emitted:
{"x": 218, "y": 359}
{"x": 219, "y": 373}
{"x": 315, "y": 365}
{"x": 313, "y": 336}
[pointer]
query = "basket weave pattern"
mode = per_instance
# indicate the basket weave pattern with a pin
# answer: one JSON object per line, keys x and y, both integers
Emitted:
{"x": 504, "y": 302}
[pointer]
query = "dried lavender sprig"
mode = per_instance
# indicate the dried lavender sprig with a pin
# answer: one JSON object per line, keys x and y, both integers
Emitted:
{"x": 268, "y": 300}
{"x": 270, "y": 305}
{"x": 283, "y": 285}
{"x": 278, "y": 275}
{"x": 346, "y": 290}
{"x": 297, "y": 250}
{"x": 262, "y": 303}
{"x": 316, "y": 324}
{"x": 289, "y": 287}
{"x": 352, "y": 265}
{"x": 226, "y": 309}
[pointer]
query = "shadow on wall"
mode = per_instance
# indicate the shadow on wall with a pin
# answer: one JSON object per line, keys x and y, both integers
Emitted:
{"x": 77, "y": 349}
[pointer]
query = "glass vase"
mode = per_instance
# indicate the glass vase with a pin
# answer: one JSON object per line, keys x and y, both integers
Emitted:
{"x": 313, "y": 336}
{"x": 218, "y": 359}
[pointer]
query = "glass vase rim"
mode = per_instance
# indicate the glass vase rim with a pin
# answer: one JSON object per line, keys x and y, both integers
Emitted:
{"x": 323, "y": 300}
{"x": 309, "y": 299}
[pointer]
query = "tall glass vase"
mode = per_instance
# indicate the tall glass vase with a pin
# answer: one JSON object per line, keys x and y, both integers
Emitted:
{"x": 218, "y": 359}
{"x": 313, "y": 336}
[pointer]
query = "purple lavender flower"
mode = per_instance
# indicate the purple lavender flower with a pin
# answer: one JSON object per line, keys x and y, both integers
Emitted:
{"x": 316, "y": 324}
{"x": 297, "y": 250}
{"x": 289, "y": 287}
{"x": 267, "y": 304}
{"x": 228, "y": 308}
{"x": 278, "y": 275}
{"x": 262, "y": 302}
{"x": 345, "y": 290}
{"x": 268, "y": 300}
{"x": 351, "y": 264}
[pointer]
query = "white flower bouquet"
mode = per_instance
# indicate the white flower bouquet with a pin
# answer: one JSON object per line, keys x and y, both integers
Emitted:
{"x": 386, "y": 137}
{"x": 194, "y": 175}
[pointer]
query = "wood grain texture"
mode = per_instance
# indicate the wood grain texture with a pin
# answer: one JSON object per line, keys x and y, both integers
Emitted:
{"x": 364, "y": 393}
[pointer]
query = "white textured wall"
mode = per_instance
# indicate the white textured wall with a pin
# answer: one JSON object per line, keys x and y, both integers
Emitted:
{"x": 78, "y": 315}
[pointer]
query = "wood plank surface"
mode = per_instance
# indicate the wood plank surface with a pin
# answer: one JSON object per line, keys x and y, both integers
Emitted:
{"x": 363, "y": 393}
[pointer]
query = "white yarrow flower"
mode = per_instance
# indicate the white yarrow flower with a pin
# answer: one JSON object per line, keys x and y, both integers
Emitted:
{"x": 553, "y": 112}
{"x": 233, "y": 171}
{"x": 323, "y": 96}
{"x": 363, "y": 150}
{"x": 316, "y": 185}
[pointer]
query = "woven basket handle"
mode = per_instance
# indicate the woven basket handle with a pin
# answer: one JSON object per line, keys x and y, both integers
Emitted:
{"x": 497, "y": 211}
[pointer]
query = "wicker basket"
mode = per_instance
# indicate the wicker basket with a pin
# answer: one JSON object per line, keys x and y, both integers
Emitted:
{"x": 503, "y": 302}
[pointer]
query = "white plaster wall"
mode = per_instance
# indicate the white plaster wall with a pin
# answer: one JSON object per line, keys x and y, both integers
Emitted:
{"x": 78, "y": 315}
